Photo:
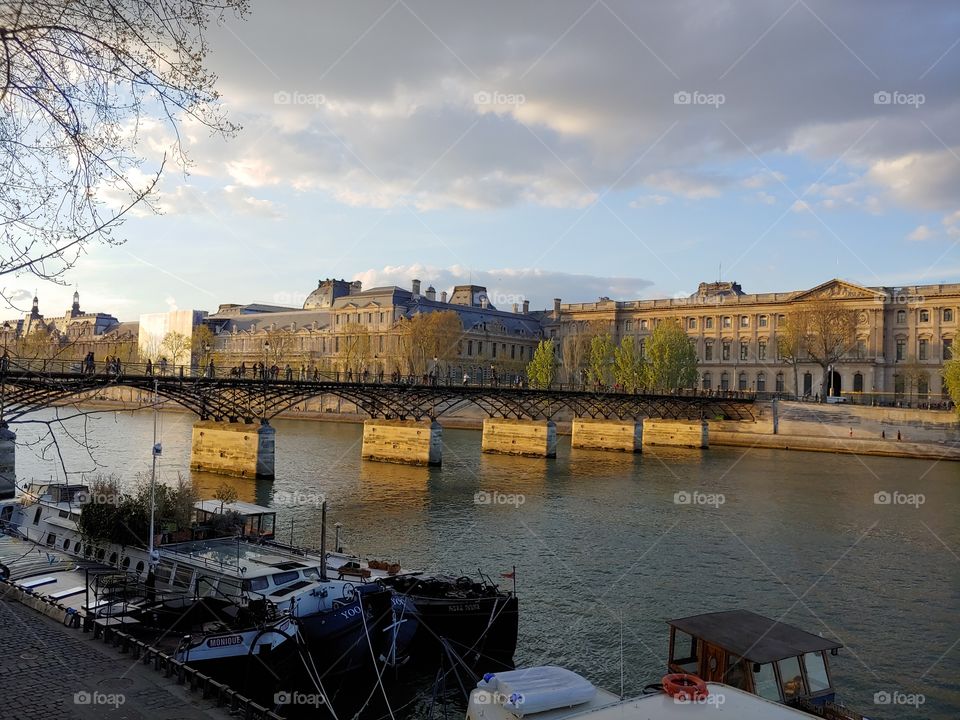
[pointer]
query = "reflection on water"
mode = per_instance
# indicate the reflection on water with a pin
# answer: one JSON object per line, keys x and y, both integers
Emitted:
{"x": 602, "y": 535}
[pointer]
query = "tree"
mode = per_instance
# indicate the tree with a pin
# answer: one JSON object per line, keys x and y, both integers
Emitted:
{"x": 575, "y": 348}
{"x": 831, "y": 333}
{"x": 281, "y": 344}
{"x": 201, "y": 343}
{"x": 951, "y": 378}
{"x": 540, "y": 369}
{"x": 355, "y": 346}
{"x": 177, "y": 346}
{"x": 628, "y": 365}
{"x": 601, "y": 355}
{"x": 226, "y": 494}
{"x": 430, "y": 335}
{"x": 791, "y": 341}
{"x": 671, "y": 358}
{"x": 80, "y": 81}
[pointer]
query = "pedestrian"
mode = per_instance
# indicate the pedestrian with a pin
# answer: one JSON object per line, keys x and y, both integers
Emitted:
{"x": 243, "y": 369}
{"x": 883, "y": 434}
{"x": 466, "y": 379}
{"x": 211, "y": 372}
{"x": 288, "y": 372}
{"x": 349, "y": 375}
{"x": 163, "y": 365}
{"x": 149, "y": 370}
{"x": 898, "y": 435}
{"x": 851, "y": 432}
{"x": 366, "y": 375}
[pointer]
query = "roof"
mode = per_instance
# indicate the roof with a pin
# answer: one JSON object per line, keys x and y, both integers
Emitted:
{"x": 751, "y": 636}
{"x": 244, "y": 508}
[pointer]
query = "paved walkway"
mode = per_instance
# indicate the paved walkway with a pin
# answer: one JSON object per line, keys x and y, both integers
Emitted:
{"x": 49, "y": 671}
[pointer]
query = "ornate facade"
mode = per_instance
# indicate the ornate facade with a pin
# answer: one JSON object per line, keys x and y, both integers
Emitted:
{"x": 904, "y": 335}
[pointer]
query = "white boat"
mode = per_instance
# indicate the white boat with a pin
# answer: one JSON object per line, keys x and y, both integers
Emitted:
{"x": 554, "y": 693}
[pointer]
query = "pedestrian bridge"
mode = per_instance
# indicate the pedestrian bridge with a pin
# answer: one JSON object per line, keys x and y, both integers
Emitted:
{"x": 247, "y": 404}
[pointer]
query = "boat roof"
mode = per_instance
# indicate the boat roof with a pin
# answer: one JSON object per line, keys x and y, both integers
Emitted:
{"x": 238, "y": 506}
{"x": 753, "y": 637}
{"x": 721, "y": 703}
{"x": 233, "y": 557}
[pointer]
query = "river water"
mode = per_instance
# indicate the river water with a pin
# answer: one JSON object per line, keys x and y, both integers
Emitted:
{"x": 603, "y": 548}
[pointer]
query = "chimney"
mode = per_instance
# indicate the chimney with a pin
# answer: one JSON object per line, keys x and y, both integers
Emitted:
{"x": 526, "y": 307}
{"x": 431, "y": 293}
{"x": 516, "y": 308}
{"x": 556, "y": 307}
{"x": 416, "y": 288}
{"x": 443, "y": 296}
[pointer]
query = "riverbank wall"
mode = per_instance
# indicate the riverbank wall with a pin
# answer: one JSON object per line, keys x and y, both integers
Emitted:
{"x": 783, "y": 425}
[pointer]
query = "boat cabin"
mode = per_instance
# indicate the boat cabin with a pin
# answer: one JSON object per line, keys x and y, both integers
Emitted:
{"x": 258, "y": 521}
{"x": 748, "y": 651}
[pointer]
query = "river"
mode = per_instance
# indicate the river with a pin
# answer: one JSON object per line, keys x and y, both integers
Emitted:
{"x": 600, "y": 537}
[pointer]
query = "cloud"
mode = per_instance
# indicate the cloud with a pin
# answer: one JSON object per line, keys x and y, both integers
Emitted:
{"x": 508, "y": 103}
{"x": 766, "y": 198}
{"x": 649, "y": 200}
{"x": 921, "y": 232}
{"x": 510, "y": 285}
{"x": 228, "y": 200}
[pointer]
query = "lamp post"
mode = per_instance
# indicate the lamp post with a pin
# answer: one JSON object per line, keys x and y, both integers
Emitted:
{"x": 206, "y": 359}
{"x": 266, "y": 350}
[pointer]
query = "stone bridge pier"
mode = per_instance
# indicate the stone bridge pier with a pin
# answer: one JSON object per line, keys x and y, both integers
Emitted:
{"x": 233, "y": 448}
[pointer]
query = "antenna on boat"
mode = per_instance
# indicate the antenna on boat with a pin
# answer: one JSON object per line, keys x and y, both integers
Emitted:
{"x": 323, "y": 540}
{"x": 155, "y": 452}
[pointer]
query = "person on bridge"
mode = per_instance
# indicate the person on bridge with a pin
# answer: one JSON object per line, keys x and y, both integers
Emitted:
{"x": 4, "y": 362}
{"x": 149, "y": 368}
{"x": 288, "y": 372}
{"x": 163, "y": 366}
{"x": 243, "y": 369}
{"x": 211, "y": 372}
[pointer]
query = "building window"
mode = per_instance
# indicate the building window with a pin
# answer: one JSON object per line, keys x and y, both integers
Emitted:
{"x": 898, "y": 384}
{"x": 807, "y": 383}
{"x": 923, "y": 387}
{"x": 761, "y": 382}
{"x": 901, "y": 348}
{"x": 948, "y": 315}
{"x": 708, "y": 351}
{"x": 691, "y": 323}
{"x": 901, "y": 317}
{"x": 628, "y": 325}
{"x": 479, "y": 347}
{"x": 744, "y": 321}
{"x": 858, "y": 382}
{"x": 708, "y": 323}
{"x": 724, "y": 382}
{"x": 469, "y": 348}
{"x": 643, "y": 324}
{"x": 494, "y": 349}
{"x": 726, "y": 321}
{"x": 779, "y": 385}
{"x": 643, "y": 349}
{"x": 742, "y": 381}
{"x": 947, "y": 348}
{"x": 922, "y": 349}
{"x": 513, "y": 352}
{"x": 762, "y": 320}
{"x": 762, "y": 350}
{"x": 744, "y": 351}
{"x": 725, "y": 352}
{"x": 924, "y": 316}
{"x": 707, "y": 379}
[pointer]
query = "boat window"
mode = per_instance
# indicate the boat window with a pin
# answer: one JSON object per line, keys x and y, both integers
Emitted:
{"x": 736, "y": 673}
{"x": 816, "y": 672}
{"x": 51, "y": 539}
{"x": 684, "y": 651}
{"x": 255, "y": 584}
{"x": 228, "y": 587}
{"x": 163, "y": 573}
{"x": 764, "y": 682}
{"x": 312, "y": 573}
{"x": 790, "y": 678}
{"x": 182, "y": 576}
{"x": 286, "y": 577}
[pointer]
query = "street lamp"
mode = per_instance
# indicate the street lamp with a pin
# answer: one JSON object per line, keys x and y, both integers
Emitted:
{"x": 266, "y": 351}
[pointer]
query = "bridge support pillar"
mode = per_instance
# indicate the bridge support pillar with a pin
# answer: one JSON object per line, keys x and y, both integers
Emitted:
{"x": 8, "y": 466}
{"x": 408, "y": 442}
{"x": 618, "y": 435}
{"x": 681, "y": 433}
{"x": 240, "y": 449}
{"x": 532, "y": 438}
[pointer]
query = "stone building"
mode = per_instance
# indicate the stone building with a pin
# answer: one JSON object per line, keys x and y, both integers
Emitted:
{"x": 904, "y": 334}
{"x": 323, "y": 333}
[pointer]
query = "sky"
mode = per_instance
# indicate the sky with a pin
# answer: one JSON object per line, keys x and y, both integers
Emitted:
{"x": 553, "y": 149}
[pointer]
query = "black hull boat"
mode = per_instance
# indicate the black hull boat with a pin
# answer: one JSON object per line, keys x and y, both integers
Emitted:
{"x": 476, "y": 620}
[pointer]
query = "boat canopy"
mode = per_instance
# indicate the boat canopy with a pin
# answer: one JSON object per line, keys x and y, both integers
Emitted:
{"x": 756, "y": 638}
{"x": 258, "y": 521}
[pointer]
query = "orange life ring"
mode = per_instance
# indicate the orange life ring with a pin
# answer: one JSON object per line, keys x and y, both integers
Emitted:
{"x": 684, "y": 687}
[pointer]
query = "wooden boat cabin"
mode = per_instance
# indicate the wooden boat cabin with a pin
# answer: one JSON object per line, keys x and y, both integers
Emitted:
{"x": 257, "y": 521}
{"x": 750, "y": 652}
